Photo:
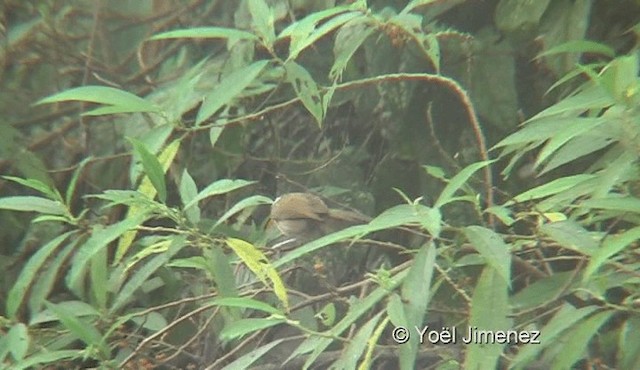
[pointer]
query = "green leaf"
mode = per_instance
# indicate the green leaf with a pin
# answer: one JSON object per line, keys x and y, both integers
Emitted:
{"x": 214, "y": 134}
{"x": 143, "y": 273}
{"x": 550, "y": 335}
{"x": 395, "y": 311}
{"x": 580, "y": 146}
{"x": 38, "y": 185}
{"x": 317, "y": 345}
{"x": 620, "y": 78}
{"x": 79, "y": 328}
{"x": 152, "y": 321}
{"x": 576, "y": 340}
{"x": 46, "y": 279}
{"x": 356, "y": 346}
{"x": 100, "y": 238}
{"x": 348, "y": 39}
{"x": 436, "y": 172}
{"x": 219, "y": 187}
{"x": 543, "y": 291}
{"x": 571, "y": 235}
{"x": 222, "y": 274}
{"x": 120, "y": 100}
{"x": 245, "y": 326}
{"x": 494, "y": 250}
{"x": 621, "y": 204}
{"x": 98, "y": 273}
{"x": 306, "y": 89}
{"x": 152, "y": 168}
{"x": 458, "y": 181}
{"x": 580, "y": 46}
{"x": 303, "y": 27}
{"x": 304, "y": 35}
{"x": 252, "y": 201}
{"x": 489, "y": 311}
{"x": 53, "y": 357}
{"x": 188, "y": 191}
{"x": 228, "y": 89}
{"x": 246, "y": 360}
{"x": 569, "y": 130}
{"x": 207, "y": 33}
{"x": 195, "y": 262}
{"x": 33, "y": 204}
{"x": 263, "y": 19}
{"x": 416, "y": 3}
{"x": 29, "y": 272}
{"x": 593, "y": 97}
{"x": 611, "y": 246}
{"x": 258, "y": 263}
{"x": 243, "y": 302}
{"x": 74, "y": 180}
{"x": 18, "y": 341}
{"x": 503, "y": 214}
{"x": 629, "y": 344}
{"x": 551, "y": 188}
{"x": 416, "y": 293}
{"x": 79, "y": 309}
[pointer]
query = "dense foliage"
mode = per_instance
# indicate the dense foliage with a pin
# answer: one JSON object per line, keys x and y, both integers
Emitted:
{"x": 495, "y": 144}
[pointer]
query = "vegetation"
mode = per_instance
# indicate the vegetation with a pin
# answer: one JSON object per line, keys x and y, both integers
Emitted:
{"x": 495, "y": 145}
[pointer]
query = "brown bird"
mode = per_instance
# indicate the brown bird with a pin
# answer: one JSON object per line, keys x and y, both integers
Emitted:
{"x": 304, "y": 217}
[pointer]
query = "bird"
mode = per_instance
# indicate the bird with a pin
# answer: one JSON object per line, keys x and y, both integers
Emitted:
{"x": 305, "y": 217}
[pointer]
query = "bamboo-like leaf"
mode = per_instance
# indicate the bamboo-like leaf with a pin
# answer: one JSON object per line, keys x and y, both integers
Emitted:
{"x": 416, "y": 292}
{"x": 100, "y": 238}
{"x": 79, "y": 328}
{"x": 245, "y": 361}
{"x": 29, "y": 271}
{"x": 166, "y": 159}
{"x": 611, "y": 245}
{"x": 551, "y": 188}
{"x": 349, "y": 39}
{"x": 52, "y": 357}
{"x": 306, "y": 89}
{"x": 572, "y": 129}
{"x": 17, "y": 341}
{"x": 621, "y": 204}
{"x": 489, "y": 311}
{"x": 152, "y": 168}
{"x": 317, "y": 345}
{"x": 576, "y": 340}
{"x": 550, "y": 335}
{"x": 580, "y": 46}
{"x": 494, "y": 250}
{"x": 188, "y": 191}
{"x": 356, "y": 346}
{"x": 416, "y": 3}
{"x": 206, "y": 33}
{"x": 143, "y": 273}
{"x": 244, "y": 302}
{"x": 263, "y": 20}
{"x": 120, "y": 100}
{"x": 38, "y": 185}
{"x": 258, "y": 263}
{"x": 245, "y": 326}
{"x": 30, "y": 203}
{"x": 252, "y": 201}
{"x": 228, "y": 89}
{"x": 219, "y": 187}
{"x": 46, "y": 279}
{"x": 304, "y": 36}
{"x": 458, "y": 181}
{"x": 71, "y": 188}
